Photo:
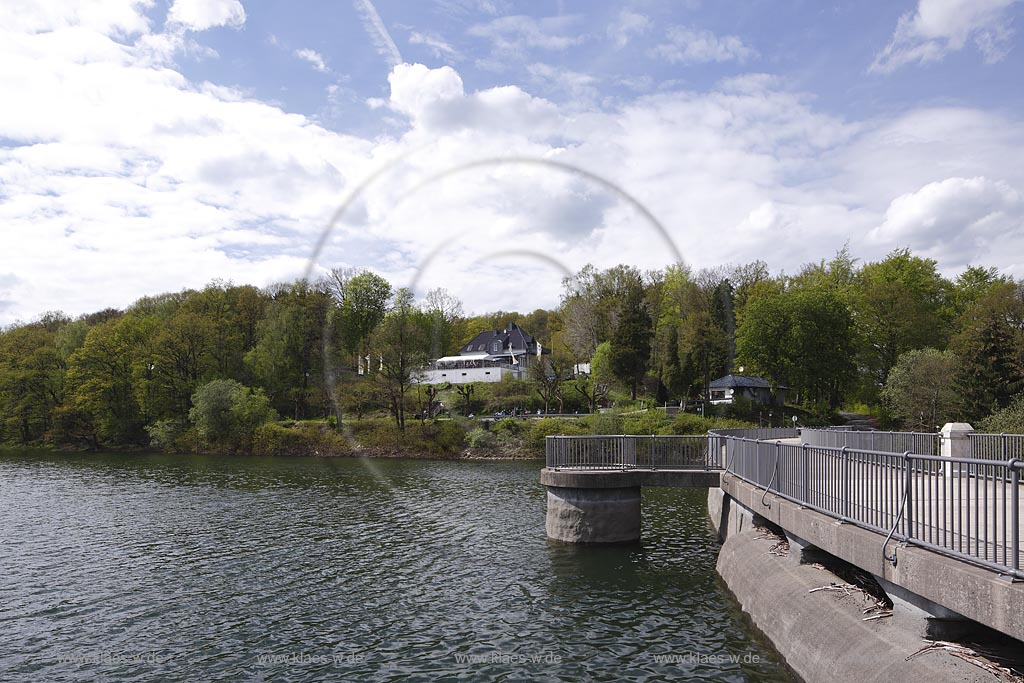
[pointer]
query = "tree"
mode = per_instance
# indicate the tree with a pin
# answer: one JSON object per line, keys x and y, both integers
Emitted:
{"x": 402, "y": 342}
{"x": 362, "y": 300}
{"x": 898, "y": 305}
{"x": 31, "y": 382}
{"x": 596, "y": 386}
{"x": 802, "y": 338}
{"x": 990, "y": 344}
{"x": 226, "y": 413}
{"x": 630, "y": 345}
{"x": 921, "y": 389}
{"x": 102, "y": 378}
{"x": 445, "y": 314}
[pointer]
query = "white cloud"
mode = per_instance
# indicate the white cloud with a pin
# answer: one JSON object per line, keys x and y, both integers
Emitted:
{"x": 108, "y": 17}
{"x": 313, "y": 57}
{"x": 515, "y": 34}
{"x": 627, "y": 26}
{"x": 200, "y": 15}
{"x": 956, "y": 219}
{"x": 378, "y": 32}
{"x": 939, "y": 27}
{"x": 440, "y": 48}
{"x": 687, "y": 45}
{"x": 158, "y": 182}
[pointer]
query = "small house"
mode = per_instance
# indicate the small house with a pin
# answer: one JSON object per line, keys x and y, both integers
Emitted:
{"x": 727, "y": 389}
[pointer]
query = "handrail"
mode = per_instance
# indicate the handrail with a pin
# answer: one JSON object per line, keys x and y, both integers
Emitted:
{"x": 899, "y": 516}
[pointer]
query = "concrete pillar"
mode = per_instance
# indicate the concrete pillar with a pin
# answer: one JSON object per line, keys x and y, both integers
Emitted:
{"x": 955, "y": 444}
{"x": 593, "y": 515}
{"x": 801, "y": 551}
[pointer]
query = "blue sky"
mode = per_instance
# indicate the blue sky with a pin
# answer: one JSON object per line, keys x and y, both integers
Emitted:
{"x": 151, "y": 145}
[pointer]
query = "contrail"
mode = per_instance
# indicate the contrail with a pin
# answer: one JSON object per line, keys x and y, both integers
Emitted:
{"x": 374, "y": 26}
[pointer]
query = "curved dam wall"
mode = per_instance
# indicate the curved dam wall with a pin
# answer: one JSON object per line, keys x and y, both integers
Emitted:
{"x": 822, "y": 633}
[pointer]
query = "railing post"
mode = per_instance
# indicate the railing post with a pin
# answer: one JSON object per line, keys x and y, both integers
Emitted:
{"x": 1015, "y": 511}
{"x": 846, "y": 482}
{"x": 909, "y": 483}
{"x": 804, "y": 466}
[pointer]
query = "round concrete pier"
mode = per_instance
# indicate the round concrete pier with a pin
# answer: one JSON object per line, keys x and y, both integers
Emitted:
{"x": 594, "y": 515}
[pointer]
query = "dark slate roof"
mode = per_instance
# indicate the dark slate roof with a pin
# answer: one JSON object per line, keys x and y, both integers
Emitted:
{"x": 735, "y": 381}
{"x": 512, "y": 338}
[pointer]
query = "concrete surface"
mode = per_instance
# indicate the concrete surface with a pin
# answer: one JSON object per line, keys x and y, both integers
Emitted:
{"x": 976, "y": 593}
{"x": 593, "y": 515}
{"x": 822, "y": 635}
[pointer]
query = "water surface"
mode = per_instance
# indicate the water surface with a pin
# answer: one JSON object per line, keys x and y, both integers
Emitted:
{"x": 186, "y": 568}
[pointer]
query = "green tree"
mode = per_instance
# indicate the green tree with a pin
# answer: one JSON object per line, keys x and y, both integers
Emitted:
{"x": 31, "y": 382}
{"x": 402, "y": 343}
{"x": 898, "y": 304}
{"x": 102, "y": 378}
{"x": 990, "y": 344}
{"x": 921, "y": 389}
{"x": 226, "y": 414}
{"x": 595, "y": 387}
{"x": 802, "y": 338}
{"x": 630, "y": 344}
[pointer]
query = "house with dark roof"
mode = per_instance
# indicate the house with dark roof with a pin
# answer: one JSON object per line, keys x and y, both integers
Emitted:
{"x": 727, "y": 389}
{"x": 488, "y": 357}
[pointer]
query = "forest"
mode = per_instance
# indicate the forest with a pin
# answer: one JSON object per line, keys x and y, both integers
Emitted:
{"x": 241, "y": 368}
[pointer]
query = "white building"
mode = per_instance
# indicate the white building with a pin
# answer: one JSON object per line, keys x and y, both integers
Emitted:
{"x": 489, "y": 357}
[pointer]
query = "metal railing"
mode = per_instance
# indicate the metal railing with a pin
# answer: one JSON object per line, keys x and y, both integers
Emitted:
{"x": 996, "y": 446}
{"x": 921, "y": 443}
{"x": 633, "y": 452}
{"x": 967, "y": 508}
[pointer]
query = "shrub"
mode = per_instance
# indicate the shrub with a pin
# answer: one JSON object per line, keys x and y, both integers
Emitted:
{"x": 551, "y": 426}
{"x": 1009, "y": 420}
{"x": 480, "y": 438}
{"x": 227, "y": 413}
{"x": 167, "y": 435}
{"x": 300, "y": 440}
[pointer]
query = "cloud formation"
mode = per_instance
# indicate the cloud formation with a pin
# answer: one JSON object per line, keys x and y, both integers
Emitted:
{"x": 200, "y": 15}
{"x": 160, "y": 182}
{"x": 689, "y": 45}
{"x": 939, "y": 27}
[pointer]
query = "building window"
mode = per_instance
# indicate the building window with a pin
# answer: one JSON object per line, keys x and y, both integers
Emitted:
{"x": 488, "y": 372}
{"x": 463, "y": 374}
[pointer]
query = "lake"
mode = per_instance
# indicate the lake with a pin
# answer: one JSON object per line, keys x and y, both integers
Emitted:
{"x": 189, "y": 568}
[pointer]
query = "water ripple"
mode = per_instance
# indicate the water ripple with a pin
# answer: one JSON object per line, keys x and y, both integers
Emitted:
{"x": 152, "y": 568}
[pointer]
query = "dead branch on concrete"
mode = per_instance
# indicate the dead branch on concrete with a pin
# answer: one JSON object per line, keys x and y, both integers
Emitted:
{"x": 972, "y": 656}
{"x": 780, "y": 549}
{"x": 844, "y": 588}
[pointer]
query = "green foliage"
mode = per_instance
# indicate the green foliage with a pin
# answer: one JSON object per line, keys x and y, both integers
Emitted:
{"x": 802, "y": 338}
{"x": 690, "y": 424}
{"x": 303, "y": 439}
{"x": 226, "y": 414}
{"x": 551, "y": 426}
{"x": 169, "y": 435}
{"x": 920, "y": 390}
{"x": 480, "y": 439}
{"x": 630, "y": 345}
{"x": 651, "y": 421}
{"x": 442, "y": 438}
{"x": 899, "y": 304}
{"x": 1009, "y": 420}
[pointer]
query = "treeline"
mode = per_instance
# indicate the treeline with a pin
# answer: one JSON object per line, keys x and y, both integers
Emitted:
{"x": 893, "y": 336}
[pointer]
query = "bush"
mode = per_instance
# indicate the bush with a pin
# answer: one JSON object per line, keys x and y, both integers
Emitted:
{"x": 300, "y": 440}
{"x": 1009, "y": 420}
{"x": 652, "y": 421}
{"x": 551, "y": 426}
{"x": 480, "y": 438}
{"x": 226, "y": 413}
{"x": 167, "y": 435}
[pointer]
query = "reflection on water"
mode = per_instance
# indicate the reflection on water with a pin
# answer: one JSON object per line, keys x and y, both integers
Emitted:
{"x": 185, "y": 568}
